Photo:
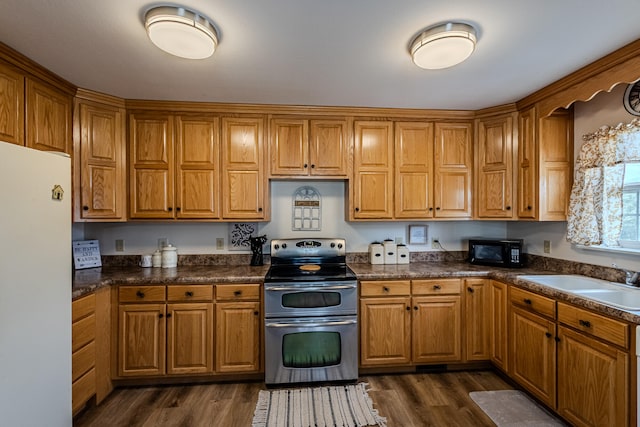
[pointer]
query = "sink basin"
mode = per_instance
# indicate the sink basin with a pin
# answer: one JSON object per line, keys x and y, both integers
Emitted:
{"x": 595, "y": 289}
{"x": 566, "y": 282}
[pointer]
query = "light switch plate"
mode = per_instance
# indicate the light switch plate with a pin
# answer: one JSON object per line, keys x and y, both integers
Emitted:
{"x": 119, "y": 245}
{"x": 547, "y": 247}
{"x": 219, "y": 243}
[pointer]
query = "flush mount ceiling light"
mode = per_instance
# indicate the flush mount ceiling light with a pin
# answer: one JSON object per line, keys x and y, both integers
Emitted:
{"x": 443, "y": 45}
{"x": 181, "y": 32}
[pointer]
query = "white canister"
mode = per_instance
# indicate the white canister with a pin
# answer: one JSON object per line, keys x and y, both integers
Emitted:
{"x": 402, "y": 251}
{"x": 389, "y": 252}
{"x": 145, "y": 261}
{"x": 376, "y": 253}
{"x": 169, "y": 256}
{"x": 156, "y": 259}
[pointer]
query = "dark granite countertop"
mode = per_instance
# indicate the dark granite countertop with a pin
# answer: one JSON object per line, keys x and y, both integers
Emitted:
{"x": 87, "y": 281}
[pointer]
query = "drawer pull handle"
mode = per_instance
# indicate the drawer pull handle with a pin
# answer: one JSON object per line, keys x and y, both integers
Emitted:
{"x": 584, "y": 323}
{"x": 548, "y": 334}
{"x": 237, "y": 293}
{"x": 528, "y": 301}
{"x": 437, "y": 287}
{"x": 140, "y": 294}
{"x": 470, "y": 289}
{"x": 188, "y": 294}
{"x": 385, "y": 289}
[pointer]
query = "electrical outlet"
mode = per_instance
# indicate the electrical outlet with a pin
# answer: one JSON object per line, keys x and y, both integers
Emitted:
{"x": 219, "y": 243}
{"x": 547, "y": 246}
{"x": 399, "y": 240}
{"x": 119, "y": 245}
{"x": 162, "y": 242}
{"x": 435, "y": 243}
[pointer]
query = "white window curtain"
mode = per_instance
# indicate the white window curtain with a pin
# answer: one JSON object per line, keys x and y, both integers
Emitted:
{"x": 595, "y": 206}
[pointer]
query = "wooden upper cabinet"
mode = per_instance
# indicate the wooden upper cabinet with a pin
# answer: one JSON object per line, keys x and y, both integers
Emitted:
{"x": 301, "y": 147}
{"x": 11, "y": 105}
{"x": 243, "y": 178}
{"x": 152, "y": 165}
{"x": 101, "y": 163}
{"x": 197, "y": 167}
{"x": 48, "y": 119}
{"x": 494, "y": 167}
{"x": 372, "y": 187}
{"x": 452, "y": 170}
{"x": 545, "y": 159}
{"x": 414, "y": 170}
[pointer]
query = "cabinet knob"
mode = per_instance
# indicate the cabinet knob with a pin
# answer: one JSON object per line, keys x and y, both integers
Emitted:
{"x": 85, "y": 208}
{"x": 557, "y": 339}
{"x": 415, "y": 307}
{"x": 437, "y": 287}
{"x": 313, "y": 166}
{"x": 437, "y": 208}
{"x": 547, "y": 334}
{"x": 170, "y": 209}
{"x": 408, "y": 308}
{"x": 305, "y": 165}
{"x": 528, "y": 301}
{"x": 385, "y": 289}
{"x": 259, "y": 209}
{"x": 188, "y": 294}
{"x": 168, "y": 315}
{"x": 237, "y": 293}
{"x": 357, "y": 209}
{"x": 255, "y": 313}
{"x": 160, "y": 316}
{"x": 584, "y": 323}
{"x": 470, "y": 290}
{"x": 430, "y": 209}
{"x": 140, "y": 294}
{"x": 508, "y": 208}
{"x": 529, "y": 208}
{"x": 178, "y": 209}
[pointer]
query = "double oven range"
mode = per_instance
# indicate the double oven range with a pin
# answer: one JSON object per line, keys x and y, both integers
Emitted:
{"x": 311, "y": 313}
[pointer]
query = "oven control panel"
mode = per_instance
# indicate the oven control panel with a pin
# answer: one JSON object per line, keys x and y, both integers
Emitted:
{"x": 312, "y": 247}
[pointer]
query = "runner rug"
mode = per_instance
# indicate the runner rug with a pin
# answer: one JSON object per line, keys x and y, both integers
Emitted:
{"x": 509, "y": 408}
{"x": 331, "y": 406}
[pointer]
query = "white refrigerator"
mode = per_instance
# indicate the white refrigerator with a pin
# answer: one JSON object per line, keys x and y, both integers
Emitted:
{"x": 35, "y": 288}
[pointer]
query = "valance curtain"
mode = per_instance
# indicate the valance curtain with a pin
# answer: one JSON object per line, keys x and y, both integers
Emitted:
{"x": 595, "y": 206}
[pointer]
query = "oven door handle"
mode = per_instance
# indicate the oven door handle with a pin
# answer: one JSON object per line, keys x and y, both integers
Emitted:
{"x": 310, "y": 324}
{"x": 309, "y": 288}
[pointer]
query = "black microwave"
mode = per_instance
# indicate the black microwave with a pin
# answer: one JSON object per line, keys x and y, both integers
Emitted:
{"x": 496, "y": 252}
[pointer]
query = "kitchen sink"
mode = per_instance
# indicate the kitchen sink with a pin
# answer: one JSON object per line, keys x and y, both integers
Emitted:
{"x": 610, "y": 293}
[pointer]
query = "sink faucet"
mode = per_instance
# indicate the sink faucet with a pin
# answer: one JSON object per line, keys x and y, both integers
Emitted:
{"x": 631, "y": 277}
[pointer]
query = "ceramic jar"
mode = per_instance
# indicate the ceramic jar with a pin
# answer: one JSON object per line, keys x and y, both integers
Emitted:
{"x": 169, "y": 256}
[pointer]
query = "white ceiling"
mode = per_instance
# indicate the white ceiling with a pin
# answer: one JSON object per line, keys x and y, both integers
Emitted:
{"x": 321, "y": 52}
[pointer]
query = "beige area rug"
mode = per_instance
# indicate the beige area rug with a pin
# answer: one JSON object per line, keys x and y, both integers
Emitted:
{"x": 513, "y": 408}
{"x": 331, "y": 406}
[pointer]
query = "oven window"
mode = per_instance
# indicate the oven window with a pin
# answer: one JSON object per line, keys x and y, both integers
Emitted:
{"x": 489, "y": 253}
{"x": 310, "y": 299}
{"x": 311, "y": 349}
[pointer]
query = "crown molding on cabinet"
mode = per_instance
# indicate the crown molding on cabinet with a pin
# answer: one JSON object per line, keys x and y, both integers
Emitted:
{"x": 102, "y": 98}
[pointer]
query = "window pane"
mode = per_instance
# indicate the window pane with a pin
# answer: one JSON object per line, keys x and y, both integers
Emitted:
{"x": 629, "y": 203}
{"x": 631, "y": 173}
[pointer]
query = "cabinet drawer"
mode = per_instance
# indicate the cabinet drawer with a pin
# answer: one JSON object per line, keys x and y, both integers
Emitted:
{"x": 83, "y": 389}
{"x": 233, "y": 292}
{"x": 190, "y": 293}
{"x": 141, "y": 294}
{"x": 83, "y": 360}
{"x": 534, "y": 302}
{"x": 383, "y": 288}
{"x": 605, "y": 328}
{"x": 436, "y": 286}
{"x": 83, "y": 307}
{"x": 82, "y": 332}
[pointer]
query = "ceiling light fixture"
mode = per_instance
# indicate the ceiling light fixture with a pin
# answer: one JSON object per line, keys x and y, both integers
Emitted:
{"x": 443, "y": 45}
{"x": 181, "y": 32}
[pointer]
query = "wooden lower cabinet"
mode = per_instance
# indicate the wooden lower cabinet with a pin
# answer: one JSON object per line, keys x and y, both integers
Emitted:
{"x": 385, "y": 331}
{"x": 437, "y": 329}
{"x": 238, "y": 337}
{"x": 190, "y": 338}
{"x": 141, "y": 334}
{"x": 498, "y": 308}
{"x": 476, "y": 311}
{"x": 592, "y": 381}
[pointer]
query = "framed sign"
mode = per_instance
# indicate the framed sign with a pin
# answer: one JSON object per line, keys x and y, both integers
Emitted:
{"x": 417, "y": 234}
{"x": 86, "y": 254}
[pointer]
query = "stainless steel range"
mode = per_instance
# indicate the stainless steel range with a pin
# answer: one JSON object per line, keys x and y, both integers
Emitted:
{"x": 311, "y": 313}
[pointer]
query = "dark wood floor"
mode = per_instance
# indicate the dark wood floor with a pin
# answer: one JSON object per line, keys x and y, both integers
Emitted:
{"x": 406, "y": 400}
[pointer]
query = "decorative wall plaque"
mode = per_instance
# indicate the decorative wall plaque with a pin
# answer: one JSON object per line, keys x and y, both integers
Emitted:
{"x": 239, "y": 233}
{"x": 306, "y": 209}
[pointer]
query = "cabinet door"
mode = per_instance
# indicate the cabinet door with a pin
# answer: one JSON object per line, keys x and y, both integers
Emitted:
{"x": 437, "y": 329}
{"x": 527, "y": 165}
{"x": 48, "y": 124}
{"x": 593, "y": 384}
{"x": 141, "y": 339}
{"x": 102, "y": 163}
{"x": 476, "y": 304}
{"x": 452, "y": 170}
{"x": 498, "y": 304}
{"x": 414, "y": 170}
{"x": 532, "y": 353}
{"x": 555, "y": 139}
{"x": 11, "y": 105}
{"x": 385, "y": 328}
{"x": 197, "y": 170}
{"x": 190, "y": 338}
{"x": 289, "y": 147}
{"x": 238, "y": 337}
{"x": 329, "y": 148}
{"x": 152, "y": 166}
{"x": 373, "y": 174}
{"x": 243, "y": 171}
{"x": 494, "y": 195}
